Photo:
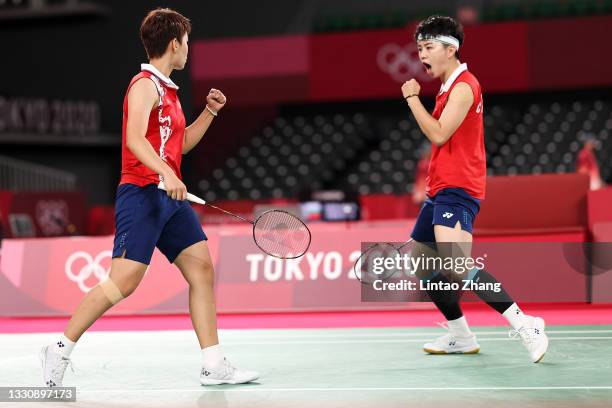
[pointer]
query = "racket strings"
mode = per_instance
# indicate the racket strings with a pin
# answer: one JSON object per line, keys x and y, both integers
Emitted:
{"x": 365, "y": 267}
{"x": 369, "y": 267}
{"x": 281, "y": 234}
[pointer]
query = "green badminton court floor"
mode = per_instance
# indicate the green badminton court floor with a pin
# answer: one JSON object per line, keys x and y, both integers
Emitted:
{"x": 325, "y": 368}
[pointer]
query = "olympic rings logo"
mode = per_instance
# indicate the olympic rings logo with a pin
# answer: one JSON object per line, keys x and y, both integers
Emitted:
{"x": 92, "y": 266}
{"x": 401, "y": 63}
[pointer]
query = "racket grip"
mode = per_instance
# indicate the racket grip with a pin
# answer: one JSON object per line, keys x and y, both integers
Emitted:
{"x": 190, "y": 197}
{"x": 195, "y": 199}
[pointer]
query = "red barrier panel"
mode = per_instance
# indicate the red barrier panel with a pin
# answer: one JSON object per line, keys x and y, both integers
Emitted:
{"x": 387, "y": 206}
{"x": 547, "y": 39}
{"x": 321, "y": 280}
{"x": 599, "y": 205}
{"x": 50, "y": 214}
{"x": 534, "y": 204}
{"x": 101, "y": 220}
{"x": 373, "y": 64}
{"x": 515, "y": 205}
{"x": 602, "y": 261}
{"x": 252, "y": 71}
{"x": 50, "y": 276}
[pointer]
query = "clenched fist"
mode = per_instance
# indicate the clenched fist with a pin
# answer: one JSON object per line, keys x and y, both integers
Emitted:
{"x": 411, "y": 87}
{"x": 215, "y": 99}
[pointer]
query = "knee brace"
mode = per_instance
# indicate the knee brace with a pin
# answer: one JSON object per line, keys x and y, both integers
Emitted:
{"x": 111, "y": 291}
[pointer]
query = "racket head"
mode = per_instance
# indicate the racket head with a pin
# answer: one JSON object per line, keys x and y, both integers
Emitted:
{"x": 365, "y": 269}
{"x": 281, "y": 234}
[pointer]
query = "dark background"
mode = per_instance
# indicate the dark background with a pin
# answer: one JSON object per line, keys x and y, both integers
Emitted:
{"x": 92, "y": 56}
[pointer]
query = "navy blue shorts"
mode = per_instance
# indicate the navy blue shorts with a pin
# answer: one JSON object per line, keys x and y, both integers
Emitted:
{"x": 445, "y": 208}
{"x": 145, "y": 218}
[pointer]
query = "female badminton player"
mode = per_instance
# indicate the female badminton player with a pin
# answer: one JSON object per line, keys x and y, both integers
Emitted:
{"x": 456, "y": 184}
{"x": 154, "y": 139}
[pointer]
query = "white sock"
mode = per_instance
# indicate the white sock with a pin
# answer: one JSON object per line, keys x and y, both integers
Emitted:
{"x": 63, "y": 346}
{"x": 515, "y": 316}
{"x": 212, "y": 356}
{"x": 459, "y": 327}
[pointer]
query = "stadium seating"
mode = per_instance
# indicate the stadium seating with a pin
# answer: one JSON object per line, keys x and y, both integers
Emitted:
{"x": 289, "y": 156}
{"x": 489, "y": 12}
{"x": 370, "y": 152}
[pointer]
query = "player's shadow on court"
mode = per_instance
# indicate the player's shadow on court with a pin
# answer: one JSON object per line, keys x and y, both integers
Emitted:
{"x": 214, "y": 396}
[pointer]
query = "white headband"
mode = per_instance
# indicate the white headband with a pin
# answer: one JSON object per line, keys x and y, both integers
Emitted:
{"x": 444, "y": 39}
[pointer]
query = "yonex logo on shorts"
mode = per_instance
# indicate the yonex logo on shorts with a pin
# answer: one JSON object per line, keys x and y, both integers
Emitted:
{"x": 447, "y": 215}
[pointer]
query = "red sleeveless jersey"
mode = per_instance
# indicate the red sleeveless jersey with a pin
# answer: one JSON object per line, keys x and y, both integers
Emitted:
{"x": 165, "y": 131}
{"x": 461, "y": 161}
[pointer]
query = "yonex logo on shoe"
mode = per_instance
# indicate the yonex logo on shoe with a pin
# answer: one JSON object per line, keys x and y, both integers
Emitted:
{"x": 452, "y": 343}
{"x": 60, "y": 344}
{"x": 447, "y": 215}
{"x": 206, "y": 373}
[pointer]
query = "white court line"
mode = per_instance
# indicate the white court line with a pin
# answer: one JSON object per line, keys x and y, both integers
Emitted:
{"x": 364, "y": 342}
{"x": 503, "y": 331}
{"x": 367, "y": 341}
{"x": 351, "y": 341}
{"x": 252, "y": 388}
{"x": 370, "y": 341}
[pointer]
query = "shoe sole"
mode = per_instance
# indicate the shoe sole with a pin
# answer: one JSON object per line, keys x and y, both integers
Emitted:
{"x": 210, "y": 381}
{"x": 442, "y": 352}
{"x": 546, "y": 348}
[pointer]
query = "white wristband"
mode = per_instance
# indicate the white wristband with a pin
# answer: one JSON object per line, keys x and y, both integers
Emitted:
{"x": 211, "y": 111}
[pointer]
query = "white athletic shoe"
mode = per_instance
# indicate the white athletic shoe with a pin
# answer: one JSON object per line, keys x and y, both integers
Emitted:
{"x": 225, "y": 373}
{"x": 53, "y": 367}
{"x": 533, "y": 336}
{"x": 450, "y": 344}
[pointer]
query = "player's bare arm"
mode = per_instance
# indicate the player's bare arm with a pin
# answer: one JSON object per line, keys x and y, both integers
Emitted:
{"x": 142, "y": 98}
{"x": 439, "y": 131}
{"x": 215, "y": 101}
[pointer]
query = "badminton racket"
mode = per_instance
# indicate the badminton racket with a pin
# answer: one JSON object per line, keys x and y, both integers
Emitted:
{"x": 367, "y": 269}
{"x": 276, "y": 232}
